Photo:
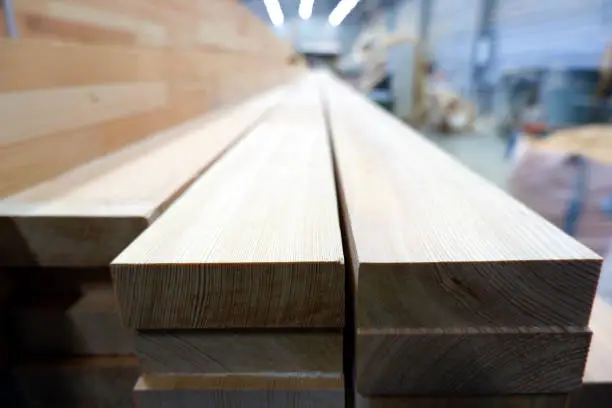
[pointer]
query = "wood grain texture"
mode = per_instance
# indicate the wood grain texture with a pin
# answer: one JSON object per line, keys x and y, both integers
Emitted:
{"x": 85, "y": 217}
{"x": 39, "y": 64}
{"x": 515, "y": 401}
{"x": 240, "y": 391}
{"x": 194, "y": 351}
{"x": 255, "y": 241}
{"x": 37, "y": 113}
{"x": 436, "y": 245}
{"x": 468, "y": 362}
{"x": 223, "y": 24}
{"x": 88, "y": 325}
{"x": 105, "y": 382}
{"x": 106, "y": 47}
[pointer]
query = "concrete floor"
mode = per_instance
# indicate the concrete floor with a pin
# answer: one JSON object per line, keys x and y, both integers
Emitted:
{"x": 482, "y": 151}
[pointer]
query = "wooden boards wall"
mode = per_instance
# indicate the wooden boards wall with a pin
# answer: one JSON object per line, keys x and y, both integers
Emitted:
{"x": 223, "y": 24}
{"x": 88, "y": 77}
{"x": 473, "y": 291}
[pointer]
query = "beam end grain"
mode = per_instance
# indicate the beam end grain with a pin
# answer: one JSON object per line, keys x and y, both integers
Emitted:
{"x": 474, "y": 294}
{"x": 221, "y": 351}
{"x": 505, "y": 401}
{"x": 471, "y": 361}
{"x": 204, "y": 296}
{"x": 240, "y": 391}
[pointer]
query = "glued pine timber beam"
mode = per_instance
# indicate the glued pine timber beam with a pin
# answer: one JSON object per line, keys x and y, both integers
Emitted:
{"x": 442, "y": 260}
{"x": 240, "y": 391}
{"x": 597, "y": 389}
{"x": 86, "y": 217}
{"x": 227, "y": 351}
{"x": 498, "y": 401}
{"x": 255, "y": 242}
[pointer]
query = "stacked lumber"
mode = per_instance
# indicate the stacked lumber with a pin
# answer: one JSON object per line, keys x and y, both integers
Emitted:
{"x": 459, "y": 289}
{"x": 237, "y": 290}
{"x": 57, "y": 241}
{"x": 597, "y": 389}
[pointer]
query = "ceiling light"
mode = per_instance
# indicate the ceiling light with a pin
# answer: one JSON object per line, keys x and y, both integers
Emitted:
{"x": 341, "y": 11}
{"x": 306, "y": 9}
{"x": 275, "y": 12}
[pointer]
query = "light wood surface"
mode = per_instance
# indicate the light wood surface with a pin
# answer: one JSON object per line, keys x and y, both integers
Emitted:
{"x": 37, "y": 113}
{"x": 240, "y": 391}
{"x": 434, "y": 250}
{"x": 78, "y": 382}
{"x": 436, "y": 245}
{"x": 87, "y": 325}
{"x": 86, "y": 217}
{"x": 255, "y": 242}
{"x": 515, "y": 401}
{"x": 474, "y": 361}
{"x": 129, "y": 69}
{"x": 222, "y": 24}
{"x": 195, "y": 351}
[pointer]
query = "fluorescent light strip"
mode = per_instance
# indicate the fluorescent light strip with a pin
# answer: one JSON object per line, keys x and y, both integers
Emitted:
{"x": 306, "y": 9}
{"x": 341, "y": 11}
{"x": 275, "y": 12}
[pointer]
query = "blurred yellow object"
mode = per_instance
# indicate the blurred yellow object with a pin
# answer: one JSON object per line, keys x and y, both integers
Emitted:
{"x": 594, "y": 142}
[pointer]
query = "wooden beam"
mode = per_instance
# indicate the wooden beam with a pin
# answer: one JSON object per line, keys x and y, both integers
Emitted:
{"x": 240, "y": 391}
{"x": 506, "y": 401}
{"x": 87, "y": 216}
{"x": 32, "y": 114}
{"x": 472, "y": 361}
{"x": 597, "y": 389}
{"x": 447, "y": 249}
{"x": 255, "y": 242}
{"x": 195, "y": 351}
{"x": 435, "y": 250}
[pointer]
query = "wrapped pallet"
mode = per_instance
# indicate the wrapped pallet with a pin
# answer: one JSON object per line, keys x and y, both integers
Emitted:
{"x": 567, "y": 178}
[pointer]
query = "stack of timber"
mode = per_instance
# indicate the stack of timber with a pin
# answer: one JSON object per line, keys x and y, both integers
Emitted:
{"x": 237, "y": 290}
{"x": 57, "y": 241}
{"x": 597, "y": 389}
{"x": 85, "y": 78}
{"x": 458, "y": 289}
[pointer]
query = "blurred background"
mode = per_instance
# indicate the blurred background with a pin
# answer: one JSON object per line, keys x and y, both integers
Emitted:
{"x": 517, "y": 90}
